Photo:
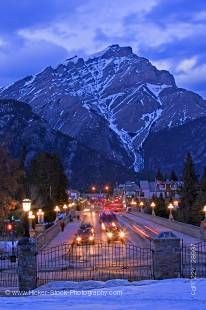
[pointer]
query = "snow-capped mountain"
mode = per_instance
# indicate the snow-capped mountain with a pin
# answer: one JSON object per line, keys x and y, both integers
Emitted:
{"x": 112, "y": 102}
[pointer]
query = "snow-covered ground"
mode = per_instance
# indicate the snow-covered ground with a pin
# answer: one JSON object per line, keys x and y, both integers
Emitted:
{"x": 173, "y": 294}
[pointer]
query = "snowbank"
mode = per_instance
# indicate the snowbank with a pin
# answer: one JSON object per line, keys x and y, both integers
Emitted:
{"x": 116, "y": 295}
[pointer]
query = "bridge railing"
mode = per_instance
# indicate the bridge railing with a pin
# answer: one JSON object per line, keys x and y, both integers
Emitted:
{"x": 188, "y": 229}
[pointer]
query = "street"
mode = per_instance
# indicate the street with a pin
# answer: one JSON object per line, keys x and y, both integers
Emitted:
{"x": 63, "y": 259}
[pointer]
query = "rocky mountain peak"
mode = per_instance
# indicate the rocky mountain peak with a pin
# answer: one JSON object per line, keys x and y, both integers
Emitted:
{"x": 112, "y": 101}
{"x": 114, "y": 51}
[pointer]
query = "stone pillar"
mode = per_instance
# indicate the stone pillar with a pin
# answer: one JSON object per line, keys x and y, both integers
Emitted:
{"x": 203, "y": 230}
{"x": 27, "y": 264}
{"x": 167, "y": 256}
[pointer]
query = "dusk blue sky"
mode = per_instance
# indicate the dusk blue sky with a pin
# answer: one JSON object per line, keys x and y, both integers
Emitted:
{"x": 38, "y": 33}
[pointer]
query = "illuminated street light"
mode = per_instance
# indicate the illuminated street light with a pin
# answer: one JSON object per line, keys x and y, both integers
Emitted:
{"x": 57, "y": 210}
{"x": 153, "y": 205}
{"x": 93, "y": 189}
{"x": 65, "y": 207}
{"x": 133, "y": 203}
{"x": 31, "y": 216}
{"x": 204, "y": 210}
{"x": 106, "y": 188}
{"x": 141, "y": 204}
{"x": 26, "y": 204}
{"x": 171, "y": 207}
{"x": 40, "y": 216}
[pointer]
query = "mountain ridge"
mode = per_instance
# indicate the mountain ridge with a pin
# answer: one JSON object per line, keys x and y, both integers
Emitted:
{"x": 112, "y": 101}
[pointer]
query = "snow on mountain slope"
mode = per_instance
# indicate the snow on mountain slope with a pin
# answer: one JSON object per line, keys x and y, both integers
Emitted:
{"x": 112, "y": 101}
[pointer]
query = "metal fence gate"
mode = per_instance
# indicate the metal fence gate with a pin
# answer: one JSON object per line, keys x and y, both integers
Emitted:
{"x": 194, "y": 260}
{"x": 101, "y": 261}
{"x": 8, "y": 269}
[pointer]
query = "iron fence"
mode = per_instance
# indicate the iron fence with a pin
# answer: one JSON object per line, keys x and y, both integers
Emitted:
{"x": 101, "y": 261}
{"x": 194, "y": 260}
{"x": 8, "y": 269}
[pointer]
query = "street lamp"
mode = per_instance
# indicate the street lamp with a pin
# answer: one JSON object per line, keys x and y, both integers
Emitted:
{"x": 93, "y": 189}
{"x": 133, "y": 203}
{"x": 65, "y": 207}
{"x": 171, "y": 207}
{"x": 106, "y": 188}
{"x": 141, "y": 204}
{"x": 57, "y": 209}
{"x": 26, "y": 204}
{"x": 40, "y": 216}
{"x": 204, "y": 210}
{"x": 153, "y": 205}
{"x": 31, "y": 216}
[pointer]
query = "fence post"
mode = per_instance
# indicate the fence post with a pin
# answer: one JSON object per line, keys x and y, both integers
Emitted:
{"x": 27, "y": 264}
{"x": 166, "y": 256}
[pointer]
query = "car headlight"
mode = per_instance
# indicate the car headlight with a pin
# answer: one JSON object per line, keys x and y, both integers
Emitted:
{"x": 109, "y": 234}
{"x": 91, "y": 238}
{"x": 122, "y": 234}
{"x": 79, "y": 238}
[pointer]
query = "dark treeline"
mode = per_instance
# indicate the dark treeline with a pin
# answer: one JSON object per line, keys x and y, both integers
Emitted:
{"x": 44, "y": 182}
{"x": 192, "y": 194}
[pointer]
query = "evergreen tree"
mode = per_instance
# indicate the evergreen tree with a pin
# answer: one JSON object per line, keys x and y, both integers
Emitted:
{"x": 173, "y": 176}
{"x": 201, "y": 199}
{"x": 187, "y": 213}
{"x": 159, "y": 175}
{"x": 160, "y": 206}
{"x": 10, "y": 183}
{"x": 48, "y": 181}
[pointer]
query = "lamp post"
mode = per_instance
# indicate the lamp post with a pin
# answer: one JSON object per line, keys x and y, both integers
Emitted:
{"x": 40, "y": 216}
{"x": 31, "y": 216}
{"x": 56, "y": 209}
{"x": 141, "y": 204}
{"x": 65, "y": 207}
{"x": 26, "y": 204}
{"x": 204, "y": 210}
{"x": 93, "y": 188}
{"x": 153, "y": 205}
{"x": 133, "y": 203}
{"x": 106, "y": 189}
{"x": 171, "y": 207}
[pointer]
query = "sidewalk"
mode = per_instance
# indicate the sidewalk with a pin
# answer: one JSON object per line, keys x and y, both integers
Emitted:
{"x": 67, "y": 235}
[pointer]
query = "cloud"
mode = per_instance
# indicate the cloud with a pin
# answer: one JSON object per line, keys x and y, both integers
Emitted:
{"x": 189, "y": 73}
{"x": 79, "y": 30}
{"x": 187, "y": 65}
{"x": 35, "y": 34}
